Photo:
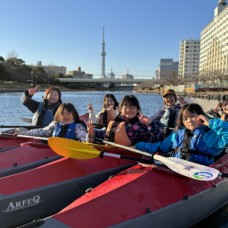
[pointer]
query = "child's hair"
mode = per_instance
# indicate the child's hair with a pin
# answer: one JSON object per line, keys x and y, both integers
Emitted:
{"x": 188, "y": 108}
{"x": 224, "y": 99}
{"x": 70, "y": 108}
{"x": 50, "y": 89}
{"x": 109, "y": 95}
{"x": 130, "y": 100}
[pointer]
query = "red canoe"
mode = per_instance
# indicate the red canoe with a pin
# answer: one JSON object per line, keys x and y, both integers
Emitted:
{"x": 28, "y": 156}
{"x": 9, "y": 142}
{"x": 47, "y": 189}
{"x": 151, "y": 196}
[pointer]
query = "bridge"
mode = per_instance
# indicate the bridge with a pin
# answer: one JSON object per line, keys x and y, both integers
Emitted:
{"x": 100, "y": 82}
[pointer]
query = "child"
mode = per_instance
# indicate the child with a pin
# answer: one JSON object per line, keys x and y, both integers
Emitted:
{"x": 167, "y": 116}
{"x": 66, "y": 124}
{"x": 108, "y": 112}
{"x": 43, "y": 111}
{"x": 197, "y": 139}
{"x": 221, "y": 109}
{"x": 126, "y": 129}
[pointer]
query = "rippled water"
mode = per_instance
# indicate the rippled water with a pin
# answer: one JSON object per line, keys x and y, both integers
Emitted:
{"x": 12, "y": 110}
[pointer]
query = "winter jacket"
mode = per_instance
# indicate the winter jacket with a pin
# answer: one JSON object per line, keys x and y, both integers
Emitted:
{"x": 206, "y": 143}
{"x": 72, "y": 131}
{"x": 217, "y": 114}
{"x": 41, "y": 116}
{"x": 134, "y": 130}
{"x": 167, "y": 117}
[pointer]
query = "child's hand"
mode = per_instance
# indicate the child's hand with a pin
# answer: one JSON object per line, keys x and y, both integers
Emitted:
{"x": 144, "y": 119}
{"x": 203, "y": 120}
{"x": 110, "y": 108}
{"x": 223, "y": 117}
{"x": 90, "y": 106}
{"x": 32, "y": 91}
{"x": 218, "y": 107}
{"x": 181, "y": 99}
{"x": 90, "y": 128}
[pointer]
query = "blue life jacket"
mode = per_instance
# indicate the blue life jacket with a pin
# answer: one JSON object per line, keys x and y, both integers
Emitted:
{"x": 48, "y": 115}
{"x": 70, "y": 132}
{"x": 198, "y": 150}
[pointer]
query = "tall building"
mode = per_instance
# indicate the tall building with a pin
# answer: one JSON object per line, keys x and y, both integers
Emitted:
{"x": 167, "y": 69}
{"x": 103, "y": 54}
{"x": 189, "y": 51}
{"x": 214, "y": 42}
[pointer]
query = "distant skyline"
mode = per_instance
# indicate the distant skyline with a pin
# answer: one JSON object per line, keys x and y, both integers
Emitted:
{"x": 69, "y": 33}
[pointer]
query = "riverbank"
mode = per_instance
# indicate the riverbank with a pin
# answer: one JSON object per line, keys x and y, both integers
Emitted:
{"x": 204, "y": 103}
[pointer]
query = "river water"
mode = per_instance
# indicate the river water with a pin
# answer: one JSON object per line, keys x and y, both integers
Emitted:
{"x": 12, "y": 110}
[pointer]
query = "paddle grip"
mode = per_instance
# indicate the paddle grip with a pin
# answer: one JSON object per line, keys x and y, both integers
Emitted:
{"x": 145, "y": 161}
{"x": 224, "y": 174}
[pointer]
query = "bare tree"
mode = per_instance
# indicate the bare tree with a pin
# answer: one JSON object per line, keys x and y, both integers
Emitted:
{"x": 12, "y": 54}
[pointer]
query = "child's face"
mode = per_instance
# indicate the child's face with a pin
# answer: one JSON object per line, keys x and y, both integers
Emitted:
{"x": 66, "y": 117}
{"x": 53, "y": 97}
{"x": 225, "y": 107}
{"x": 190, "y": 120}
{"x": 169, "y": 100}
{"x": 109, "y": 102}
{"x": 129, "y": 111}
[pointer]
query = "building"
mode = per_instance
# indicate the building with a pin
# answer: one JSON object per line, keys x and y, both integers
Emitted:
{"x": 214, "y": 43}
{"x": 167, "y": 69}
{"x": 80, "y": 74}
{"x": 127, "y": 76}
{"x": 52, "y": 70}
{"x": 111, "y": 75}
{"x": 189, "y": 52}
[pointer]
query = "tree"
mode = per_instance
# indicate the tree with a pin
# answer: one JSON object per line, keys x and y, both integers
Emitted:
{"x": 2, "y": 60}
{"x": 4, "y": 75}
{"x": 15, "y": 62}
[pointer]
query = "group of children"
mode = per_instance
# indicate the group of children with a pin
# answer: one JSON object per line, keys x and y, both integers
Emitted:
{"x": 179, "y": 129}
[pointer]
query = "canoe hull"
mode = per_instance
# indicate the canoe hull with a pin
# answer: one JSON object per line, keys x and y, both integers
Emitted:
{"x": 47, "y": 189}
{"x": 25, "y": 157}
{"x": 145, "y": 196}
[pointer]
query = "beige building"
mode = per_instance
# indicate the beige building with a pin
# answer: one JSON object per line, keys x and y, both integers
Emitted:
{"x": 79, "y": 74}
{"x": 214, "y": 42}
{"x": 52, "y": 70}
{"x": 189, "y": 51}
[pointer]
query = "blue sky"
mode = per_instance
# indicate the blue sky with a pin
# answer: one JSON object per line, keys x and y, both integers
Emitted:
{"x": 138, "y": 33}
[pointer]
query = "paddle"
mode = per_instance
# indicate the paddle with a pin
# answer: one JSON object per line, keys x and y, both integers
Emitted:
{"x": 22, "y": 136}
{"x": 183, "y": 167}
{"x": 77, "y": 150}
{"x": 26, "y": 119}
{"x": 17, "y": 126}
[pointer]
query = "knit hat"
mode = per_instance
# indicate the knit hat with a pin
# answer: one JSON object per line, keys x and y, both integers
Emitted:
{"x": 169, "y": 92}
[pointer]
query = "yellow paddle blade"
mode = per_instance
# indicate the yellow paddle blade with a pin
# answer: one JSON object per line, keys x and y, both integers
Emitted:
{"x": 72, "y": 149}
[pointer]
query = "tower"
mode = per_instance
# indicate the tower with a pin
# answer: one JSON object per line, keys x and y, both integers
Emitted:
{"x": 103, "y": 54}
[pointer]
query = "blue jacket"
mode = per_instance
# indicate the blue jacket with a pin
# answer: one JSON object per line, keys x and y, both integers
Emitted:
{"x": 211, "y": 142}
